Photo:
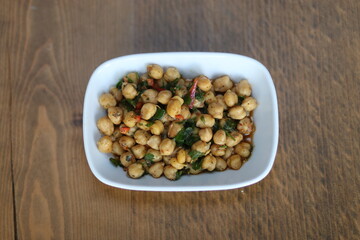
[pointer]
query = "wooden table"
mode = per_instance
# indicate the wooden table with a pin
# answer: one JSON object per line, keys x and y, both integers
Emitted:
{"x": 50, "y": 48}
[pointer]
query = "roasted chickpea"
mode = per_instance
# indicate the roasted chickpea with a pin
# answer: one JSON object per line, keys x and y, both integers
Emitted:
{"x": 157, "y": 169}
{"x": 174, "y": 129}
{"x": 116, "y": 93}
{"x": 171, "y": 74}
{"x": 174, "y": 106}
{"x": 139, "y": 151}
{"x": 155, "y": 71}
{"x": 230, "y": 98}
{"x": 209, "y": 97}
{"x": 198, "y": 104}
{"x": 216, "y": 110}
{"x": 141, "y": 137}
{"x": 166, "y": 118}
{"x": 157, "y": 128}
{"x": 136, "y": 170}
{"x": 243, "y": 88}
{"x": 156, "y": 154}
{"x": 243, "y": 149}
{"x": 166, "y": 159}
{"x": 129, "y": 91}
{"x": 148, "y": 110}
{"x": 229, "y": 151}
{"x": 218, "y": 150}
{"x": 126, "y": 142}
{"x": 181, "y": 156}
{"x": 185, "y": 112}
{"x": 107, "y": 100}
{"x": 237, "y": 112}
{"x": 249, "y": 104}
{"x": 209, "y": 163}
{"x": 181, "y": 91}
{"x": 201, "y": 146}
{"x": 245, "y": 126}
{"x": 105, "y": 125}
{"x": 222, "y": 84}
{"x": 149, "y": 96}
{"x": 132, "y": 77}
{"x": 164, "y": 96}
{"x": 176, "y": 164}
{"x": 154, "y": 142}
{"x": 115, "y": 114}
{"x": 167, "y": 146}
{"x": 116, "y": 134}
{"x": 130, "y": 119}
{"x": 205, "y": 120}
{"x": 143, "y": 124}
{"x": 206, "y": 134}
{"x": 105, "y": 144}
{"x": 127, "y": 158}
{"x": 170, "y": 172}
{"x": 220, "y": 164}
{"x": 117, "y": 149}
{"x": 234, "y": 162}
{"x": 234, "y": 138}
{"x": 204, "y": 83}
{"x": 220, "y": 137}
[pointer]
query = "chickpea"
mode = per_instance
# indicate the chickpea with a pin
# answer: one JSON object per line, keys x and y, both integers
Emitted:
{"x": 129, "y": 91}
{"x": 243, "y": 149}
{"x": 234, "y": 162}
{"x": 127, "y": 158}
{"x": 164, "y": 96}
{"x": 115, "y": 114}
{"x": 167, "y": 146}
{"x": 141, "y": 137}
{"x": 176, "y": 164}
{"x": 220, "y": 137}
{"x": 156, "y": 154}
{"x": 139, "y": 151}
{"x": 131, "y": 131}
{"x": 220, "y": 164}
{"x": 222, "y": 84}
{"x": 174, "y": 106}
{"x": 157, "y": 128}
{"x": 105, "y": 144}
{"x": 166, "y": 159}
{"x": 245, "y": 126}
{"x": 201, "y": 146}
{"x": 136, "y": 170}
{"x": 209, "y": 163}
{"x": 209, "y": 97}
{"x": 206, "y": 134}
{"x": 229, "y": 151}
{"x": 116, "y": 134}
{"x": 166, "y": 118}
{"x": 174, "y": 129}
{"x": 237, "y": 112}
{"x": 234, "y": 139}
{"x": 181, "y": 91}
{"x": 157, "y": 169}
{"x": 185, "y": 112}
{"x": 198, "y": 104}
{"x": 216, "y": 110}
{"x": 220, "y": 99}
{"x": 117, "y": 149}
{"x": 107, "y": 100}
{"x": 243, "y": 88}
{"x": 181, "y": 156}
{"x": 155, "y": 71}
{"x": 218, "y": 150}
{"x": 149, "y": 96}
{"x": 249, "y": 104}
{"x": 126, "y": 142}
{"x": 204, "y": 83}
{"x": 130, "y": 119}
{"x": 144, "y": 125}
{"x": 171, "y": 74}
{"x": 170, "y": 172}
{"x": 116, "y": 93}
{"x": 132, "y": 77}
{"x": 144, "y": 77}
{"x": 230, "y": 98}
{"x": 148, "y": 110}
{"x": 205, "y": 120}
{"x": 105, "y": 125}
{"x": 154, "y": 142}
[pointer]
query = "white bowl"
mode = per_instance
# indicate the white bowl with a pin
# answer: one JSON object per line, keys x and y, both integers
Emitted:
{"x": 190, "y": 65}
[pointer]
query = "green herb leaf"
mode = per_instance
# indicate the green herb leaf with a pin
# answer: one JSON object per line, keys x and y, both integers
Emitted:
{"x": 173, "y": 86}
{"x": 120, "y": 83}
{"x": 181, "y": 172}
{"x": 216, "y": 126}
{"x": 202, "y": 118}
{"x": 197, "y": 164}
{"x": 199, "y": 95}
{"x": 241, "y": 99}
{"x": 229, "y": 135}
{"x": 149, "y": 124}
{"x": 158, "y": 115}
{"x": 187, "y": 99}
{"x": 116, "y": 162}
{"x": 195, "y": 154}
{"x": 223, "y": 146}
{"x": 149, "y": 157}
{"x": 183, "y": 135}
{"x": 128, "y": 104}
{"x": 229, "y": 125}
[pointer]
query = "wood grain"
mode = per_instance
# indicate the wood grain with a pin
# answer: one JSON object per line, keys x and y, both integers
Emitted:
{"x": 312, "y": 49}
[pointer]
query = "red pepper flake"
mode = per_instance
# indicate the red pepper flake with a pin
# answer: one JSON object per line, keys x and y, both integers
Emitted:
{"x": 150, "y": 81}
{"x": 139, "y": 105}
{"x": 138, "y": 118}
{"x": 124, "y": 130}
{"x": 192, "y": 93}
{"x": 179, "y": 117}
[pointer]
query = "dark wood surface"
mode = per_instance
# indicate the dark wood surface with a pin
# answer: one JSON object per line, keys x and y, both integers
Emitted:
{"x": 48, "y": 50}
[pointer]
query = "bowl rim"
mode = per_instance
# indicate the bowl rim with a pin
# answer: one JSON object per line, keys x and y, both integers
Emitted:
{"x": 271, "y": 155}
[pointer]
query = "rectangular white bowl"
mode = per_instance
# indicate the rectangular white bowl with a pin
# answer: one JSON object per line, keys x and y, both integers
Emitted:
{"x": 190, "y": 64}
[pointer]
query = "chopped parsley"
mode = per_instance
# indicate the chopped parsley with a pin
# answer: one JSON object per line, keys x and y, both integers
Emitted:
{"x": 120, "y": 83}
{"x": 195, "y": 154}
{"x": 241, "y": 99}
{"x": 116, "y": 162}
{"x": 149, "y": 158}
{"x": 197, "y": 164}
{"x": 158, "y": 115}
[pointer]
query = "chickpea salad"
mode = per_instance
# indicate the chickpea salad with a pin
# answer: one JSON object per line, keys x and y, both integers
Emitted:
{"x": 160, "y": 123}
